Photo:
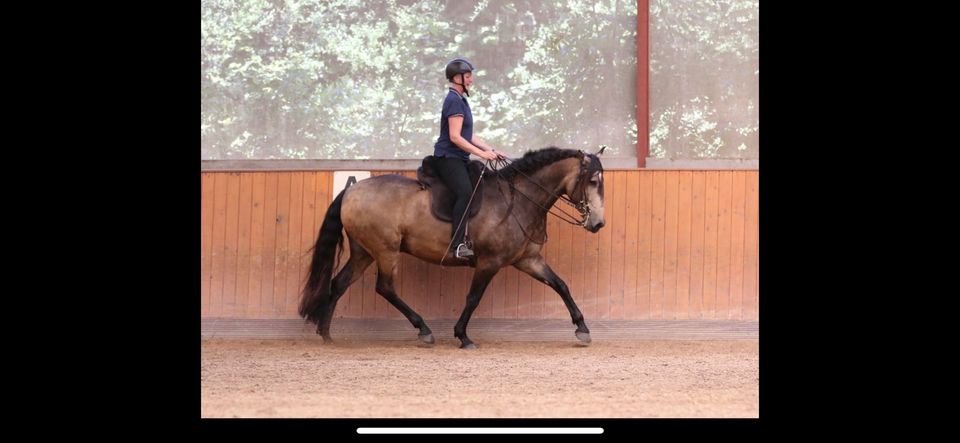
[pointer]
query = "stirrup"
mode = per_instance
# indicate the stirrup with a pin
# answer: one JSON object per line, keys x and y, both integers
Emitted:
{"x": 463, "y": 251}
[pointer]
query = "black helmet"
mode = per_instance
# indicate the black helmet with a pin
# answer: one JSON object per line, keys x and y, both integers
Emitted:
{"x": 458, "y": 66}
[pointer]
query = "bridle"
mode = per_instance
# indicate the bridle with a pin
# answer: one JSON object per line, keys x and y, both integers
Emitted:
{"x": 581, "y": 205}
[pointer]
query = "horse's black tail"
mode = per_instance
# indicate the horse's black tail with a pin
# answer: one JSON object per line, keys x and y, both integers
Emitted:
{"x": 316, "y": 293}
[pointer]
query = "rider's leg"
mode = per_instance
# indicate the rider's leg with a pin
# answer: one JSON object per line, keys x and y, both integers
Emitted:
{"x": 453, "y": 172}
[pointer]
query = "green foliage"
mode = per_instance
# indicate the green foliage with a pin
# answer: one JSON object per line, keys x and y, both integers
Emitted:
{"x": 353, "y": 79}
{"x": 704, "y": 78}
{"x": 348, "y": 79}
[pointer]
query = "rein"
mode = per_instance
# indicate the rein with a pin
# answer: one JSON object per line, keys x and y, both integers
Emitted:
{"x": 580, "y": 206}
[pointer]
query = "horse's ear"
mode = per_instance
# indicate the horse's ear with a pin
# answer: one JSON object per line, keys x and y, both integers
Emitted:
{"x": 602, "y": 147}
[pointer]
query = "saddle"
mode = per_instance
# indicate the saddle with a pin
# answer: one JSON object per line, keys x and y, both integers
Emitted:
{"x": 441, "y": 199}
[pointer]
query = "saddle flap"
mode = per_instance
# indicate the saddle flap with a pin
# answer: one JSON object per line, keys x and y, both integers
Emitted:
{"x": 441, "y": 198}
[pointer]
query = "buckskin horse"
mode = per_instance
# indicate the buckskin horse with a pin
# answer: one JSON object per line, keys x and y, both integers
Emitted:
{"x": 388, "y": 215}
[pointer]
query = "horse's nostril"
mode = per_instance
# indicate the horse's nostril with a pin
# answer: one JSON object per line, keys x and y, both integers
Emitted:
{"x": 599, "y": 225}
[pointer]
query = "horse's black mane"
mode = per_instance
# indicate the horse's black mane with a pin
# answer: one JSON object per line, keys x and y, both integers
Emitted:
{"x": 532, "y": 161}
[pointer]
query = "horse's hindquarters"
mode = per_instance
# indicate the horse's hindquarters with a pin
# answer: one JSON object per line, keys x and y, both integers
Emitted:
{"x": 390, "y": 214}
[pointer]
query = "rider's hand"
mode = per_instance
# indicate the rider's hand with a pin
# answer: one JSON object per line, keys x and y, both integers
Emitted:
{"x": 488, "y": 155}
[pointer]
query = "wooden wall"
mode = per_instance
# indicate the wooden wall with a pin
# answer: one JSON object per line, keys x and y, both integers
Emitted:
{"x": 677, "y": 245}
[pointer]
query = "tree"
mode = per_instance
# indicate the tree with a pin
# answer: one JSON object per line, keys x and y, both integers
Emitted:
{"x": 704, "y": 75}
{"x": 353, "y": 79}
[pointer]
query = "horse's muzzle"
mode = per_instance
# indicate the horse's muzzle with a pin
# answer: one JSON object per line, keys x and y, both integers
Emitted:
{"x": 595, "y": 227}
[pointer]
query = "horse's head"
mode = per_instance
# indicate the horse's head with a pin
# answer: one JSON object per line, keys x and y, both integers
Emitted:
{"x": 576, "y": 174}
{"x": 586, "y": 190}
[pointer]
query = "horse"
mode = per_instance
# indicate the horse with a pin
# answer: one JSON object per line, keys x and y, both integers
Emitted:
{"x": 387, "y": 215}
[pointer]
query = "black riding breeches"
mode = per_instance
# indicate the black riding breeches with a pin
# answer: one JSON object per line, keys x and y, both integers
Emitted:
{"x": 453, "y": 172}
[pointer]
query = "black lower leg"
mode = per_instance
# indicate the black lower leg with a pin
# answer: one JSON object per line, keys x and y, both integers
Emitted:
{"x": 337, "y": 289}
{"x": 481, "y": 278}
{"x": 561, "y": 288}
{"x": 537, "y": 268}
{"x": 386, "y": 290}
{"x": 351, "y": 272}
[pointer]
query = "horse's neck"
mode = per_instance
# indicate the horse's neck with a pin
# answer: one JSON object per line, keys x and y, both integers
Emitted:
{"x": 550, "y": 180}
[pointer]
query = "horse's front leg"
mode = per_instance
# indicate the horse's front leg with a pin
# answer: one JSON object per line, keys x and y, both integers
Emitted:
{"x": 537, "y": 268}
{"x": 481, "y": 278}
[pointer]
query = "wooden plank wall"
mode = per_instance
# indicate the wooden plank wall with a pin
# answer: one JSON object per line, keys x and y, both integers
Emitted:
{"x": 677, "y": 245}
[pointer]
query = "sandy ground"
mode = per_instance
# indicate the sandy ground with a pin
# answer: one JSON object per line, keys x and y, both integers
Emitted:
{"x": 399, "y": 379}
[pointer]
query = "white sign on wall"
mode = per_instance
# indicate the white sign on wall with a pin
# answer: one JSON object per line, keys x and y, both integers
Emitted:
{"x": 344, "y": 179}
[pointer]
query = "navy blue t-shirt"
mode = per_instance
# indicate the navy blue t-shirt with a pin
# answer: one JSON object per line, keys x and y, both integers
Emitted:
{"x": 454, "y": 104}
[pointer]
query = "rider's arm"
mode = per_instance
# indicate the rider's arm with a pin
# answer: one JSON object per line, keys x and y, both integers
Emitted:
{"x": 456, "y": 124}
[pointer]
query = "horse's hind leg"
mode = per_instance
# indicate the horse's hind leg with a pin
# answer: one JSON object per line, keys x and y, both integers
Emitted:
{"x": 351, "y": 272}
{"x": 387, "y": 267}
{"x": 537, "y": 268}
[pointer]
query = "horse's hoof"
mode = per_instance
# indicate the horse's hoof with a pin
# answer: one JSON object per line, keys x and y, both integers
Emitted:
{"x": 468, "y": 346}
{"x": 583, "y": 336}
{"x": 428, "y": 339}
{"x": 327, "y": 340}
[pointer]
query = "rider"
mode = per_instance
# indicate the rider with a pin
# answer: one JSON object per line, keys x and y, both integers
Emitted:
{"x": 454, "y": 146}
